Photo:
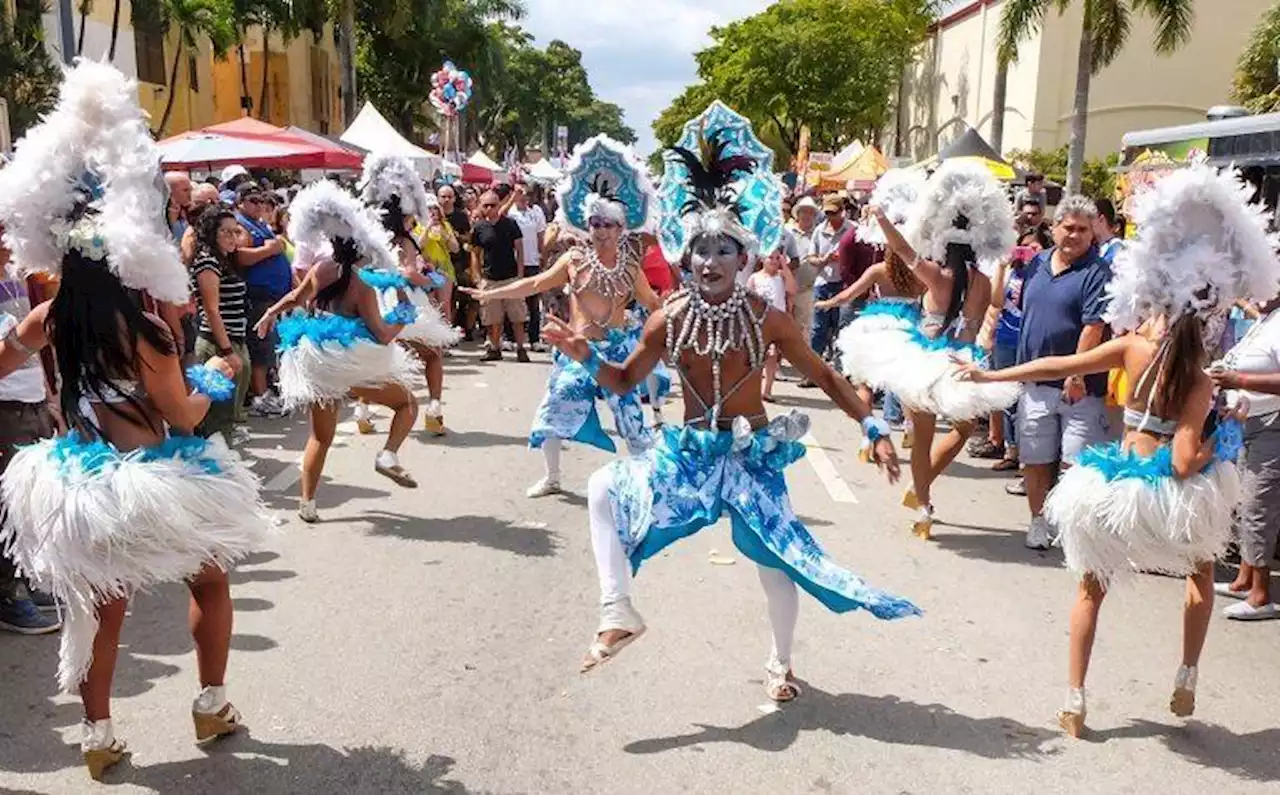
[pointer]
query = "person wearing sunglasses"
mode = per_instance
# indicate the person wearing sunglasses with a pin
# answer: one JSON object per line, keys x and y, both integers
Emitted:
{"x": 603, "y": 279}
{"x": 269, "y": 277}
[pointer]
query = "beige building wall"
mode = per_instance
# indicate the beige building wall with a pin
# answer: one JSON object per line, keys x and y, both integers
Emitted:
{"x": 949, "y": 86}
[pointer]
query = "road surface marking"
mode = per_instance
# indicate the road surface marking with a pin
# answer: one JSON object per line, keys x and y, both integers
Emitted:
{"x": 284, "y": 480}
{"x": 826, "y": 472}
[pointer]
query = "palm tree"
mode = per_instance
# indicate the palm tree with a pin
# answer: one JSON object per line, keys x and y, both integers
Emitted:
{"x": 1256, "y": 85}
{"x": 1103, "y": 33}
{"x": 194, "y": 20}
{"x": 277, "y": 16}
{"x": 115, "y": 31}
{"x": 84, "y": 7}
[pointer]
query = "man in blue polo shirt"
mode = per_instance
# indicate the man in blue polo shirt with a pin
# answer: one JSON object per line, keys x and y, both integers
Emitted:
{"x": 1063, "y": 296}
{"x": 269, "y": 278}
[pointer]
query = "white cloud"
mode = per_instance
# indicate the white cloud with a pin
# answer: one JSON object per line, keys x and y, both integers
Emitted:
{"x": 638, "y": 53}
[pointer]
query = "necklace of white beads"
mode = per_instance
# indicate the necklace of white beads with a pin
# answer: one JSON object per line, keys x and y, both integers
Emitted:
{"x": 712, "y": 330}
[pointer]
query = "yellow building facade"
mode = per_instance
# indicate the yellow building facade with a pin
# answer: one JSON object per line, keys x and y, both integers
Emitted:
{"x": 302, "y": 74}
{"x": 950, "y": 86}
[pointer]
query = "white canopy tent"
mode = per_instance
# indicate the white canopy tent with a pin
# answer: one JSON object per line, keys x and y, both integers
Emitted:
{"x": 373, "y": 132}
{"x": 481, "y": 160}
{"x": 544, "y": 172}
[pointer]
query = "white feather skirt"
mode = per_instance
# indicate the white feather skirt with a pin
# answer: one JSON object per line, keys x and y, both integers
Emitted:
{"x": 430, "y": 329}
{"x": 885, "y": 349}
{"x": 1117, "y": 514}
{"x": 91, "y": 524}
{"x": 322, "y": 356}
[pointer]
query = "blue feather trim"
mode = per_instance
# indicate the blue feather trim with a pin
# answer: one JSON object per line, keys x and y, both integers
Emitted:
{"x": 94, "y": 456}
{"x": 910, "y": 315}
{"x": 322, "y": 328}
{"x": 383, "y": 280}
{"x": 402, "y": 314}
{"x": 211, "y": 381}
{"x": 1115, "y": 463}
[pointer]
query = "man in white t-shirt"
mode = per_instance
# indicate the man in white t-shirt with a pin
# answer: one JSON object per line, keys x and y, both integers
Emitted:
{"x": 24, "y": 419}
{"x": 532, "y": 222}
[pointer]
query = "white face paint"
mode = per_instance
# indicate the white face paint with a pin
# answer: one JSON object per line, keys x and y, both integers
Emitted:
{"x": 715, "y": 260}
{"x": 605, "y": 234}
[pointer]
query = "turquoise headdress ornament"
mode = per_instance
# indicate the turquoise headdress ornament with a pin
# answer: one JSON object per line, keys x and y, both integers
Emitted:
{"x": 604, "y": 179}
{"x": 719, "y": 180}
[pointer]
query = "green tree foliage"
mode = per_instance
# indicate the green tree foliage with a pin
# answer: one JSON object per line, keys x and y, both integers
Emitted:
{"x": 1257, "y": 82}
{"x": 1099, "y": 178}
{"x": 28, "y": 76}
{"x": 1104, "y": 32}
{"x": 831, "y": 65}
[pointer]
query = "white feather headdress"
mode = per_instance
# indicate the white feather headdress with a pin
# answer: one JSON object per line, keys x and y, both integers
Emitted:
{"x": 897, "y": 192}
{"x": 323, "y": 211}
{"x": 388, "y": 176}
{"x": 1201, "y": 246}
{"x": 88, "y": 177}
{"x": 961, "y": 188}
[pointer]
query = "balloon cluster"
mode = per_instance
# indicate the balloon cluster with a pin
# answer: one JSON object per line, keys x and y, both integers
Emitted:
{"x": 450, "y": 89}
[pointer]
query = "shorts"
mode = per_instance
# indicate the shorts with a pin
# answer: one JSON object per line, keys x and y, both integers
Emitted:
{"x": 493, "y": 312}
{"x": 1258, "y": 519}
{"x": 262, "y": 351}
{"x": 1050, "y": 430}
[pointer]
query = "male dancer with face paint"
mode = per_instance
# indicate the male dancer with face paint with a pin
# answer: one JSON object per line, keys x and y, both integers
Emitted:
{"x": 728, "y": 457}
{"x": 603, "y": 279}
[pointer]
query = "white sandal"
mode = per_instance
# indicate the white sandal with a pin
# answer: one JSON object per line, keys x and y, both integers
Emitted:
{"x": 618, "y": 616}
{"x": 780, "y": 684}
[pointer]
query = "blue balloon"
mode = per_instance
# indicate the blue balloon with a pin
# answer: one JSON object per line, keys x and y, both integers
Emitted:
{"x": 449, "y": 91}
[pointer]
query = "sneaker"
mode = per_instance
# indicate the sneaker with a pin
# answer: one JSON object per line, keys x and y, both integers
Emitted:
{"x": 1039, "y": 535}
{"x": 307, "y": 511}
{"x": 433, "y": 419}
{"x": 239, "y": 436}
{"x": 267, "y": 406}
{"x": 43, "y": 600}
{"x": 21, "y": 615}
{"x": 538, "y": 347}
{"x": 543, "y": 488}
{"x": 522, "y": 356}
{"x": 1243, "y": 611}
{"x": 491, "y": 355}
{"x": 807, "y": 384}
{"x": 1016, "y": 488}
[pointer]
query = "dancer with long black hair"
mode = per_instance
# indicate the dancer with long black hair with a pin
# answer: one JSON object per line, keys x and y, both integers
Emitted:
{"x": 963, "y": 220}
{"x": 1162, "y": 499}
{"x": 127, "y": 498}
{"x": 340, "y": 341}
{"x": 392, "y": 187}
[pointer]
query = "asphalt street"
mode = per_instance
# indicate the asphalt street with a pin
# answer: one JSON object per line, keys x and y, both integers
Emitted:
{"x": 428, "y": 640}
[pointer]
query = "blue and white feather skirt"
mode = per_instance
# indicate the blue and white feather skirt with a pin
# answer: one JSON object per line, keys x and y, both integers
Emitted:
{"x": 323, "y": 356}
{"x": 90, "y": 523}
{"x": 885, "y": 348}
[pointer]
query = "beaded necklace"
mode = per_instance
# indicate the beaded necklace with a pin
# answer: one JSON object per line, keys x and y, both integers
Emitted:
{"x": 712, "y": 330}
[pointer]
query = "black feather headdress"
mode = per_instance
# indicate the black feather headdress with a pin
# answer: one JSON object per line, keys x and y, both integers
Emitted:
{"x": 712, "y": 174}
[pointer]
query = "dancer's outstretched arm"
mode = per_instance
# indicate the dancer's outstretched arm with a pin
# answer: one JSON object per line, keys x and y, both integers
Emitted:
{"x": 537, "y": 284}
{"x": 24, "y": 340}
{"x": 620, "y": 379}
{"x": 1108, "y": 356}
{"x": 863, "y": 285}
{"x": 296, "y": 297}
{"x": 161, "y": 377}
{"x": 782, "y": 330}
{"x": 928, "y": 271}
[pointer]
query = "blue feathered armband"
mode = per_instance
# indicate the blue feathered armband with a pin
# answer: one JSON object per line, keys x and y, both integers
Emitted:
{"x": 402, "y": 314}
{"x": 875, "y": 429}
{"x": 212, "y": 382}
{"x": 383, "y": 280}
{"x": 1228, "y": 440}
{"x": 435, "y": 280}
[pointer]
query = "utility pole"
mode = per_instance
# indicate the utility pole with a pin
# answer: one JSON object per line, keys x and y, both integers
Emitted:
{"x": 66, "y": 31}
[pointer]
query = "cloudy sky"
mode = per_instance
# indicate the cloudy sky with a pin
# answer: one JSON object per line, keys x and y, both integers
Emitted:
{"x": 638, "y": 53}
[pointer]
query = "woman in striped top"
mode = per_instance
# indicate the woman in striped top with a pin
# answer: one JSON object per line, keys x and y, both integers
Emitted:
{"x": 223, "y": 320}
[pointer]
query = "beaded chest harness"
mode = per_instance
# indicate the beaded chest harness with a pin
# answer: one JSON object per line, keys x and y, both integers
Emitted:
{"x": 712, "y": 330}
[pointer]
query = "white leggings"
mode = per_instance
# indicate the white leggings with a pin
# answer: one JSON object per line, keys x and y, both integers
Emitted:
{"x": 552, "y": 446}
{"x": 614, "y": 569}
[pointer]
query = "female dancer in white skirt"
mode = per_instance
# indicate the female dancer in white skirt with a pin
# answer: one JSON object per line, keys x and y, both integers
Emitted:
{"x": 344, "y": 344}
{"x": 963, "y": 220}
{"x": 1162, "y": 499}
{"x": 127, "y": 498}
{"x": 392, "y": 187}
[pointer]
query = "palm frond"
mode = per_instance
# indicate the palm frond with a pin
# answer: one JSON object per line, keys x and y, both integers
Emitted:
{"x": 1173, "y": 19}
{"x": 1111, "y": 21}
{"x": 1018, "y": 20}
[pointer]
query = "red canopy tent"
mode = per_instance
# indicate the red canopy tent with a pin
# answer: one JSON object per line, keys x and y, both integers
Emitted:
{"x": 300, "y": 149}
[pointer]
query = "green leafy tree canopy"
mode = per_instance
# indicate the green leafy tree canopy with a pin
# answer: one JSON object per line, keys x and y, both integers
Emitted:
{"x": 1257, "y": 82}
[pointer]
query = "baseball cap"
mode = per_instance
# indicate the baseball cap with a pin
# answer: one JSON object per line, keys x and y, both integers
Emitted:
{"x": 231, "y": 172}
{"x": 807, "y": 203}
{"x": 247, "y": 191}
{"x": 831, "y": 203}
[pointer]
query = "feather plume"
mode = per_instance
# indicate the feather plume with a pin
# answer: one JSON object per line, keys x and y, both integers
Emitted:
{"x": 323, "y": 211}
{"x": 389, "y": 177}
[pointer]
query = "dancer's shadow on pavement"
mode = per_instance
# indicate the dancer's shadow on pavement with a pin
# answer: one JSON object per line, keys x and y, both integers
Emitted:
{"x": 1254, "y": 756}
{"x": 469, "y": 439}
{"x": 329, "y": 495}
{"x": 242, "y": 764}
{"x": 992, "y": 545}
{"x": 887, "y": 719}
{"x": 486, "y": 531}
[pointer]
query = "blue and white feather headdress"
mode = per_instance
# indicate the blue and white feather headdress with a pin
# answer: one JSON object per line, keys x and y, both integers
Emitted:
{"x": 323, "y": 211}
{"x": 718, "y": 181}
{"x": 388, "y": 177}
{"x": 605, "y": 180}
{"x": 964, "y": 203}
{"x": 87, "y": 178}
{"x": 1201, "y": 246}
{"x": 898, "y": 193}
